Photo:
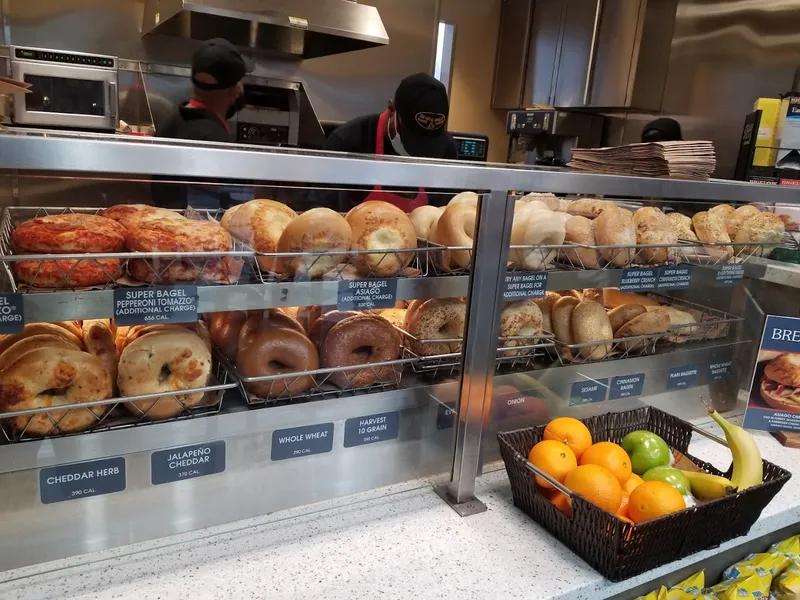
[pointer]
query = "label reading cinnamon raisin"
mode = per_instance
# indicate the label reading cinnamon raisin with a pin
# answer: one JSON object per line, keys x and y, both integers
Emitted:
{"x": 12, "y": 313}
{"x": 157, "y": 304}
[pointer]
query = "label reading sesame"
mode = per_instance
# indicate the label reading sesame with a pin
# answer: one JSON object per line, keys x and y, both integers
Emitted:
{"x": 12, "y": 313}
{"x": 588, "y": 392}
{"x": 157, "y": 304}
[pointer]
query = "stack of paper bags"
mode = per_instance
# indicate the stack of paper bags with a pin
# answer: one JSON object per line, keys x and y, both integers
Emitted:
{"x": 680, "y": 160}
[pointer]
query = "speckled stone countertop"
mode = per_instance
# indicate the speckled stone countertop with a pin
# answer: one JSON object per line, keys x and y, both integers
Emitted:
{"x": 396, "y": 542}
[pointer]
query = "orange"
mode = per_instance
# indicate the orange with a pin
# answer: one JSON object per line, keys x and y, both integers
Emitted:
{"x": 610, "y": 456}
{"x": 653, "y": 499}
{"x": 622, "y": 511}
{"x": 571, "y": 432}
{"x": 597, "y": 485}
{"x": 562, "y": 503}
{"x": 632, "y": 483}
{"x": 554, "y": 458}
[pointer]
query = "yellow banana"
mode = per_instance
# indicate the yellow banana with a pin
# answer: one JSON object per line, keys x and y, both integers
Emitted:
{"x": 707, "y": 486}
{"x": 747, "y": 466}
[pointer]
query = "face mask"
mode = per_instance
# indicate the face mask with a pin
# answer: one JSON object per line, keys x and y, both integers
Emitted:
{"x": 234, "y": 108}
{"x": 397, "y": 143}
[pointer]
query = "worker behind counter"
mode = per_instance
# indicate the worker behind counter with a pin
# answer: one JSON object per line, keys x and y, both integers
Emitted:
{"x": 217, "y": 95}
{"x": 413, "y": 124}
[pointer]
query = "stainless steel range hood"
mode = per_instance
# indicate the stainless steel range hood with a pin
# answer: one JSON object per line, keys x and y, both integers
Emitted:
{"x": 297, "y": 28}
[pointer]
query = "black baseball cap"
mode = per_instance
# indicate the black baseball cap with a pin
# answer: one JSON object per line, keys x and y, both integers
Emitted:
{"x": 422, "y": 105}
{"x": 662, "y": 130}
{"x": 222, "y": 61}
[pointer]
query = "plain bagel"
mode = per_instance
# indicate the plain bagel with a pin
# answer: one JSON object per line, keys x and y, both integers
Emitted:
{"x": 535, "y": 227}
{"x": 319, "y": 230}
{"x": 456, "y": 227}
{"x": 424, "y": 219}
{"x": 378, "y": 225}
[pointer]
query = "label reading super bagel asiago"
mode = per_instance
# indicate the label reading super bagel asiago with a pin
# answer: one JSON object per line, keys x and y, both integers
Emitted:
{"x": 12, "y": 313}
{"x": 157, "y": 304}
{"x": 367, "y": 294}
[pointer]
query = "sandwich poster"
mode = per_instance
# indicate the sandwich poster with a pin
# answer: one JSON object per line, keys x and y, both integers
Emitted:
{"x": 774, "y": 403}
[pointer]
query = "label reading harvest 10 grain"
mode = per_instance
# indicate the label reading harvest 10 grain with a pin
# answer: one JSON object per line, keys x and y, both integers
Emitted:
{"x": 366, "y": 294}
{"x": 158, "y": 304}
{"x": 520, "y": 286}
{"x": 12, "y": 313}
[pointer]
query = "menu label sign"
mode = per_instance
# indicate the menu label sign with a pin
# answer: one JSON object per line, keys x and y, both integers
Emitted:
{"x": 187, "y": 462}
{"x": 371, "y": 429}
{"x": 12, "y": 313}
{"x": 588, "y": 392}
{"x": 520, "y": 286}
{"x": 366, "y": 294}
{"x": 677, "y": 277}
{"x": 682, "y": 377}
{"x": 638, "y": 280}
{"x": 446, "y": 415}
{"x": 157, "y": 304}
{"x": 302, "y": 441}
{"x": 719, "y": 371}
{"x": 627, "y": 386}
{"x": 82, "y": 480}
{"x": 729, "y": 275}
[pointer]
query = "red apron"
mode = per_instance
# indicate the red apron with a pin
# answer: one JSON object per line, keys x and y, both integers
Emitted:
{"x": 377, "y": 193}
{"x": 199, "y": 104}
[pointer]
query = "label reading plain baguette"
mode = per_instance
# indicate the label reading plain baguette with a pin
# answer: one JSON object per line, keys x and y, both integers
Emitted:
{"x": 524, "y": 285}
{"x": 682, "y": 377}
{"x": 12, "y": 313}
{"x": 157, "y": 304}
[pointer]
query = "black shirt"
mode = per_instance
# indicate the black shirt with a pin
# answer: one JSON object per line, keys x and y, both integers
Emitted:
{"x": 359, "y": 136}
{"x": 191, "y": 124}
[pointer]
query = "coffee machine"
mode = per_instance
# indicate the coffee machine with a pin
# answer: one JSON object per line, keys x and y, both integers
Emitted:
{"x": 547, "y": 136}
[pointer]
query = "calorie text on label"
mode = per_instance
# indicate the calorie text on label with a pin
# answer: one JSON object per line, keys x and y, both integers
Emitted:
{"x": 158, "y": 304}
{"x": 366, "y": 294}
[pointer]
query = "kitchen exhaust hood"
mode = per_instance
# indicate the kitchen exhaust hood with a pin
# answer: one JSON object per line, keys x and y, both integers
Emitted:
{"x": 295, "y": 28}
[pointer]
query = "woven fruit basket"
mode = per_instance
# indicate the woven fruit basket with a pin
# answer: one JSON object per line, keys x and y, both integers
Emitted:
{"x": 617, "y": 549}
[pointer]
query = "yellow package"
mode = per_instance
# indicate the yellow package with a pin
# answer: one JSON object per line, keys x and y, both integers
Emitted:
{"x": 790, "y": 547}
{"x": 766, "y": 564}
{"x": 748, "y": 586}
{"x": 659, "y": 594}
{"x": 787, "y": 585}
{"x": 688, "y": 589}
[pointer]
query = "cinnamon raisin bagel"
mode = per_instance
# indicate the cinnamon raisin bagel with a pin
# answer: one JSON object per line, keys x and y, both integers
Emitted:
{"x": 278, "y": 351}
{"x": 54, "y": 377}
{"x": 163, "y": 362}
{"x": 378, "y": 225}
{"x": 361, "y": 340}
{"x": 317, "y": 230}
{"x": 68, "y": 234}
{"x": 438, "y": 319}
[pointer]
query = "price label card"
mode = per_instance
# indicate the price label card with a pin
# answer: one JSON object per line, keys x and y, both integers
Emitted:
{"x": 12, "y": 313}
{"x": 588, "y": 392}
{"x": 626, "y": 386}
{"x": 520, "y": 286}
{"x": 682, "y": 377}
{"x": 677, "y": 277}
{"x": 158, "y": 304}
{"x": 729, "y": 275}
{"x": 719, "y": 371}
{"x": 82, "y": 480}
{"x": 187, "y": 462}
{"x": 371, "y": 429}
{"x": 302, "y": 441}
{"x": 638, "y": 280}
{"x": 446, "y": 415}
{"x": 367, "y": 294}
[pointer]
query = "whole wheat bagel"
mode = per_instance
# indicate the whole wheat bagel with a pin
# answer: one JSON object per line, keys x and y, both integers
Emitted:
{"x": 225, "y": 328}
{"x": 622, "y": 314}
{"x": 614, "y": 228}
{"x": 456, "y": 227}
{"x": 650, "y": 323}
{"x": 163, "y": 362}
{"x": 378, "y": 225}
{"x": 54, "y": 377}
{"x": 317, "y": 230}
{"x": 580, "y": 230}
{"x": 438, "y": 319}
{"x": 520, "y": 318}
{"x": 590, "y": 324}
{"x": 535, "y": 227}
{"x": 424, "y": 218}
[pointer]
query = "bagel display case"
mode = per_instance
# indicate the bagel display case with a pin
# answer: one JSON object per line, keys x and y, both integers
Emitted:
{"x": 294, "y": 348}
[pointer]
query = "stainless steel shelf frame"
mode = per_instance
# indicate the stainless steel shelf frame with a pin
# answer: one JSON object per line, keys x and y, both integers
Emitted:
{"x": 436, "y": 435}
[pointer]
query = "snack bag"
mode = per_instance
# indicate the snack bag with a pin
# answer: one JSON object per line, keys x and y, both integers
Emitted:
{"x": 790, "y": 547}
{"x": 659, "y": 594}
{"x": 688, "y": 589}
{"x": 752, "y": 586}
{"x": 787, "y": 585}
{"x": 765, "y": 564}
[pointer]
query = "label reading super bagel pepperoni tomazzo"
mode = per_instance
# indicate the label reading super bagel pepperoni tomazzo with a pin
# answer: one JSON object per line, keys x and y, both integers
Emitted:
{"x": 157, "y": 304}
{"x": 12, "y": 313}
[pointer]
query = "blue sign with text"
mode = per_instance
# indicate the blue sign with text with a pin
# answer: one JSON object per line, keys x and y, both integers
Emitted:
{"x": 371, "y": 429}
{"x": 682, "y": 377}
{"x": 627, "y": 386}
{"x": 676, "y": 277}
{"x": 302, "y": 441}
{"x": 638, "y": 280}
{"x": 729, "y": 275}
{"x": 587, "y": 392}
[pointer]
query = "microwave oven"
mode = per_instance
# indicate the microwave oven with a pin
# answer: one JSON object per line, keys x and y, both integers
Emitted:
{"x": 68, "y": 89}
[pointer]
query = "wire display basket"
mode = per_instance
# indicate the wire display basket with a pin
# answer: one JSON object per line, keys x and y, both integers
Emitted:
{"x": 317, "y": 384}
{"x": 46, "y": 272}
{"x": 115, "y": 413}
{"x": 627, "y": 347}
